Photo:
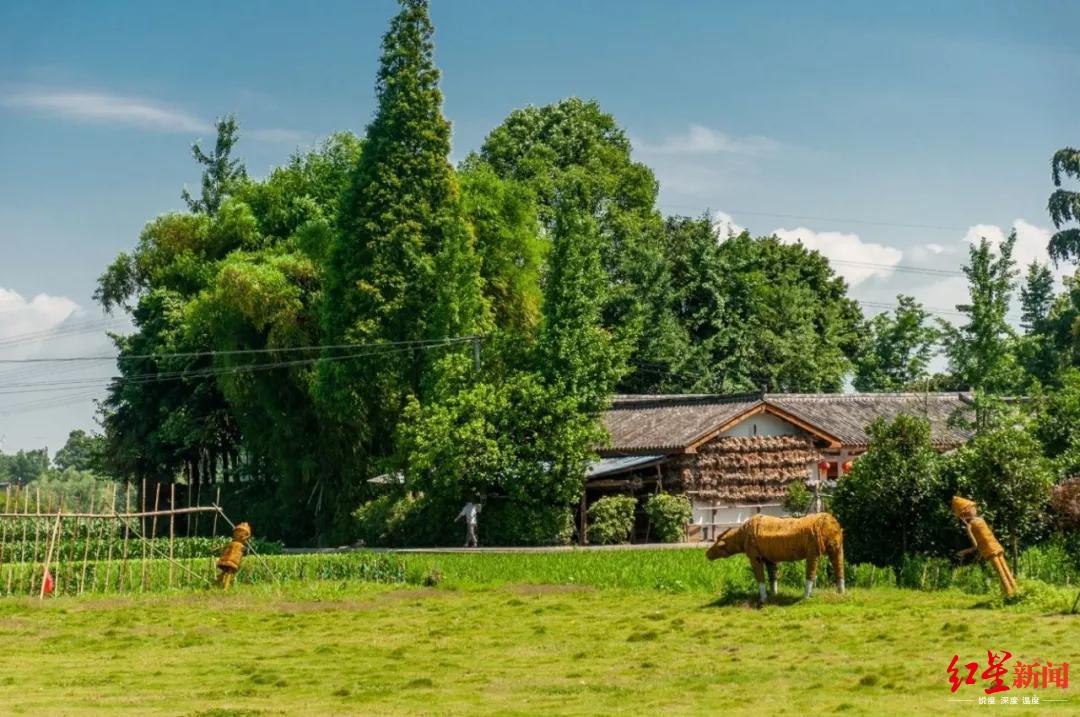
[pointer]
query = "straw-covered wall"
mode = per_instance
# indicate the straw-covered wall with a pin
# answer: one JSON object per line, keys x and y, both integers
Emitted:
{"x": 740, "y": 469}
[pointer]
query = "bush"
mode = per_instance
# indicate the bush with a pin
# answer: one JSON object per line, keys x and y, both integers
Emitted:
{"x": 797, "y": 498}
{"x": 669, "y": 515}
{"x": 507, "y": 522}
{"x": 895, "y": 501}
{"x": 403, "y": 520}
{"x": 611, "y": 519}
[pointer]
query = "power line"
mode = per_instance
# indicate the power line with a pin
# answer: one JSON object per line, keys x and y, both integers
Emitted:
{"x": 240, "y": 352}
{"x": 57, "y": 332}
{"x": 897, "y": 267}
{"x": 146, "y": 378}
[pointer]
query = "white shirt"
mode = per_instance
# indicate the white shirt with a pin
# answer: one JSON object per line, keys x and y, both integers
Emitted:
{"x": 469, "y": 512}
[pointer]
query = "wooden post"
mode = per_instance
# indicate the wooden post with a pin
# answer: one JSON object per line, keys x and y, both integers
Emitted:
{"x": 153, "y": 523}
{"x": 142, "y": 534}
{"x": 172, "y": 528}
{"x": 188, "y": 519}
{"x": 111, "y": 530}
{"x": 583, "y": 531}
{"x": 3, "y": 527}
{"x": 37, "y": 535}
{"x": 198, "y": 501}
{"x": 49, "y": 550}
{"x": 86, "y": 547}
{"x": 213, "y": 532}
{"x": 127, "y": 532}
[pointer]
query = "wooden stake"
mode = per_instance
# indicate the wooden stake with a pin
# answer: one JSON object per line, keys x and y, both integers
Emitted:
{"x": 217, "y": 502}
{"x": 127, "y": 532}
{"x": 86, "y": 547}
{"x": 198, "y": 501}
{"x": 142, "y": 534}
{"x": 22, "y": 545}
{"x": 49, "y": 550}
{"x": 172, "y": 528}
{"x": 37, "y": 535}
{"x": 3, "y": 527}
{"x": 188, "y": 526}
{"x": 111, "y": 531}
{"x": 153, "y": 523}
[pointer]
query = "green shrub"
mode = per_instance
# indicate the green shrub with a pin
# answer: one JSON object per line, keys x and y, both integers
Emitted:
{"x": 669, "y": 515}
{"x": 407, "y": 520}
{"x": 797, "y": 498}
{"x": 507, "y": 522}
{"x": 611, "y": 519}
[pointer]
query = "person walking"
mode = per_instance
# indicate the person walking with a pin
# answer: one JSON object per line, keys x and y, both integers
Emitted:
{"x": 469, "y": 513}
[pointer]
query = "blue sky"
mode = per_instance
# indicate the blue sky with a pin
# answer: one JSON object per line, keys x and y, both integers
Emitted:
{"x": 882, "y": 134}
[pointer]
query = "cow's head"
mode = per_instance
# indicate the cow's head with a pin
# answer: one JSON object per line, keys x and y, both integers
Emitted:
{"x": 721, "y": 548}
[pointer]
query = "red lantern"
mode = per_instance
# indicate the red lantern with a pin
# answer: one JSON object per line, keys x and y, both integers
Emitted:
{"x": 823, "y": 466}
{"x": 847, "y": 466}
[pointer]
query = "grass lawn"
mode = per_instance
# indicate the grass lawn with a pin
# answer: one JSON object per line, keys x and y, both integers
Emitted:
{"x": 335, "y": 648}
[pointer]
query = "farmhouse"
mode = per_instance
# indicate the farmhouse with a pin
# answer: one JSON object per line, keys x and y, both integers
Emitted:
{"x": 734, "y": 456}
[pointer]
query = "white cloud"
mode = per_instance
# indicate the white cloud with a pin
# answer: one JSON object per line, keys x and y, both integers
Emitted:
{"x": 701, "y": 140}
{"x": 934, "y": 248}
{"x": 850, "y": 256}
{"x": 109, "y": 109}
{"x": 20, "y": 316}
{"x": 724, "y": 226}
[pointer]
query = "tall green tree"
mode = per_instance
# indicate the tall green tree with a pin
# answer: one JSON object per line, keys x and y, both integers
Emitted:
{"x": 897, "y": 351}
{"x": 1036, "y": 297}
{"x": 541, "y": 147}
{"x": 578, "y": 354}
{"x": 894, "y": 501}
{"x": 791, "y": 324}
{"x": 1037, "y": 349}
{"x": 1064, "y": 207}
{"x": 980, "y": 352}
{"x": 82, "y": 451}
{"x": 402, "y": 268}
{"x": 222, "y": 171}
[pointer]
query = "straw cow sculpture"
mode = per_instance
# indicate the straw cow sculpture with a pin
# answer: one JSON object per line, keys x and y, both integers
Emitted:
{"x": 767, "y": 541}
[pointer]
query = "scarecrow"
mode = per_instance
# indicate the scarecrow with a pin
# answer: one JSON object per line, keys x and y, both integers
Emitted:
{"x": 983, "y": 541}
{"x": 229, "y": 563}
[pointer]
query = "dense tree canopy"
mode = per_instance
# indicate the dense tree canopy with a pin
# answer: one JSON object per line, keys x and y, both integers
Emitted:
{"x": 981, "y": 352}
{"x": 897, "y": 349}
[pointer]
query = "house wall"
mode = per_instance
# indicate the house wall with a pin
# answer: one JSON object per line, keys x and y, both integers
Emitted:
{"x": 763, "y": 424}
{"x": 711, "y": 515}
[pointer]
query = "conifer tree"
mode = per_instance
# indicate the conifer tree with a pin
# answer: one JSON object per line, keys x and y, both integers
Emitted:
{"x": 402, "y": 267}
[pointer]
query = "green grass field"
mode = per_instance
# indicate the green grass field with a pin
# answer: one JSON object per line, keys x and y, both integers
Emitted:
{"x": 485, "y": 642}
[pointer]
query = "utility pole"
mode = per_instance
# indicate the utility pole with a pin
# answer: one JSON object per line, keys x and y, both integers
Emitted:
{"x": 476, "y": 353}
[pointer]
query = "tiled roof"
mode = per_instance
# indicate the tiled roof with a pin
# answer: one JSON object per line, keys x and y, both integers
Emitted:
{"x": 846, "y": 416}
{"x": 667, "y": 424}
{"x": 670, "y": 423}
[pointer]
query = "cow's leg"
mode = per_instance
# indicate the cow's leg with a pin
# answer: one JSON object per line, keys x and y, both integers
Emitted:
{"x": 770, "y": 568}
{"x": 811, "y": 573}
{"x": 836, "y": 557}
{"x": 758, "y": 566}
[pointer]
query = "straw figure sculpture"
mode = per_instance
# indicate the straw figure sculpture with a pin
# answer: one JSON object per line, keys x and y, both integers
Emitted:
{"x": 229, "y": 563}
{"x": 767, "y": 541}
{"x": 983, "y": 541}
